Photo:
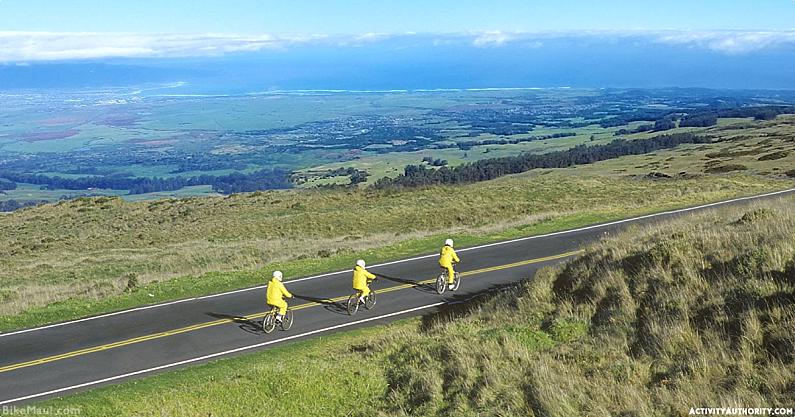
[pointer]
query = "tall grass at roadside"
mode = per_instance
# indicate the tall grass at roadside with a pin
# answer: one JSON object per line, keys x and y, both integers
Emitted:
{"x": 700, "y": 312}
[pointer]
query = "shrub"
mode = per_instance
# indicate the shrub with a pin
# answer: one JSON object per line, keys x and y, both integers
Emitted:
{"x": 720, "y": 169}
{"x": 755, "y": 215}
{"x": 132, "y": 282}
{"x": 773, "y": 156}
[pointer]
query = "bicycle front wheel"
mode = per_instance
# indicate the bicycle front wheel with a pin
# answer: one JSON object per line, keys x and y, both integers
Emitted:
{"x": 287, "y": 320}
{"x": 456, "y": 281}
{"x": 369, "y": 301}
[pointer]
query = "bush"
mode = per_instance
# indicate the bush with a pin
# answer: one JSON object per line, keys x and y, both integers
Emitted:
{"x": 755, "y": 215}
{"x": 773, "y": 156}
{"x": 721, "y": 169}
{"x": 132, "y": 282}
{"x": 567, "y": 331}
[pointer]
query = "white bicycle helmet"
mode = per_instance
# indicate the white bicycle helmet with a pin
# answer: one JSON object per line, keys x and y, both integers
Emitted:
{"x": 361, "y": 263}
{"x": 448, "y": 242}
{"x": 278, "y": 275}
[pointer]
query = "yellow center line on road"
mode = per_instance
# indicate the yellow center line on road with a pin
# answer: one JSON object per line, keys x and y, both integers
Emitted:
{"x": 260, "y": 314}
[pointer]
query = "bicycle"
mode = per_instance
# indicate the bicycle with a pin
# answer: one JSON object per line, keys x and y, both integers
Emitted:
{"x": 441, "y": 282}
{"x": 269, "y": 322}
{"x": 353, "y": 300}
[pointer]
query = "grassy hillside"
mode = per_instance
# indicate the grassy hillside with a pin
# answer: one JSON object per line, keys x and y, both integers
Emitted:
{"x": 758, "y": 147}
{"x": 100, "y": 254}
{"x": 761, "y": 146}
{"x": 92, "y": 255}
{"x": 695, "y": 312}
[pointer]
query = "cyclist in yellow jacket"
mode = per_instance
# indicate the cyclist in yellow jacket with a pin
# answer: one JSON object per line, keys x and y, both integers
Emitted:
{"x": 276, "y": 294}
{"x": 446, "y": 259}
{"x": 360, "y": 278}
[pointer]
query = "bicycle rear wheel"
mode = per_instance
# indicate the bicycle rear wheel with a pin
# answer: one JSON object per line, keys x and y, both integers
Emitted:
{"x": 369, "y": 301}
{"x": 441, "y": 283}
{"x": 353, "y": 304}
{"x": 269, "y": 322}
{"x": 287, "y": 320}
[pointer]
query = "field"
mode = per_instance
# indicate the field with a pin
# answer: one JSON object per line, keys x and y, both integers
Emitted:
{"x": 690, "y": 313}
{"x": 35, "y": 192}
{"x": 124, "y": 136}
{"x": 764, "y": 148}
{"x": 773, "y": 141}
{"x": 392, "y": 164}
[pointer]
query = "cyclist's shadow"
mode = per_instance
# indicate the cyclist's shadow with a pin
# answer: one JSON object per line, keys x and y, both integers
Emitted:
{"x": 247, "y": 325}
{"x": 419, "y": 286}
{"x": 333, "y": 306}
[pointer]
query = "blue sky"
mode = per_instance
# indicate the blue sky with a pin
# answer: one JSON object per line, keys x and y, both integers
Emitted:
{"x": 250, "y": 45}
{"x": 290, "y": 17}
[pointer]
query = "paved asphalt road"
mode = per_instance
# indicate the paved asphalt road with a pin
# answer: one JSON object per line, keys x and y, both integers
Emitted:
{"x": 69, "y": 357}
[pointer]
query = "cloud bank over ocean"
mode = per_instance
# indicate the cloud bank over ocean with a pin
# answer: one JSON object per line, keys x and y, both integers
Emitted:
{"x": 66, "y": 46}
{"x": 231, "y": 64}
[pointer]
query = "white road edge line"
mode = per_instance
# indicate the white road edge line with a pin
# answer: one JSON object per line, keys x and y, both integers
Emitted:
{"x": 562, "y": 232}
{"x": 214, "y": 355}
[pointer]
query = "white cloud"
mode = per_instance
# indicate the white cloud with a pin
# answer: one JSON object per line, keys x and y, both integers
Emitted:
{"x": 371, "y": 37}
{"x": 53, "y": 46}
{"x": 731, "y": 42}
{"x": 46, "y": 46}
{"x": 360, "y": 40}
{"x": 491, "y": 38}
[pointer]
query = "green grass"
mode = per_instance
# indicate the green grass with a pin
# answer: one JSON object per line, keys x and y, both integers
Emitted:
{"x": 186, "y": 192}
{"x": 25, "y": 192}
{"x": 295, "y": 380}
{"x": 698, "y": 311}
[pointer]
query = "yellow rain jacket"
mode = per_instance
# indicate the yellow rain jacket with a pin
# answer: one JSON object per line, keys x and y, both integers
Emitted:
{"x": 447, "y": 257}
{"x": 276, "y": 294}
{"x": 360, "y": 277}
